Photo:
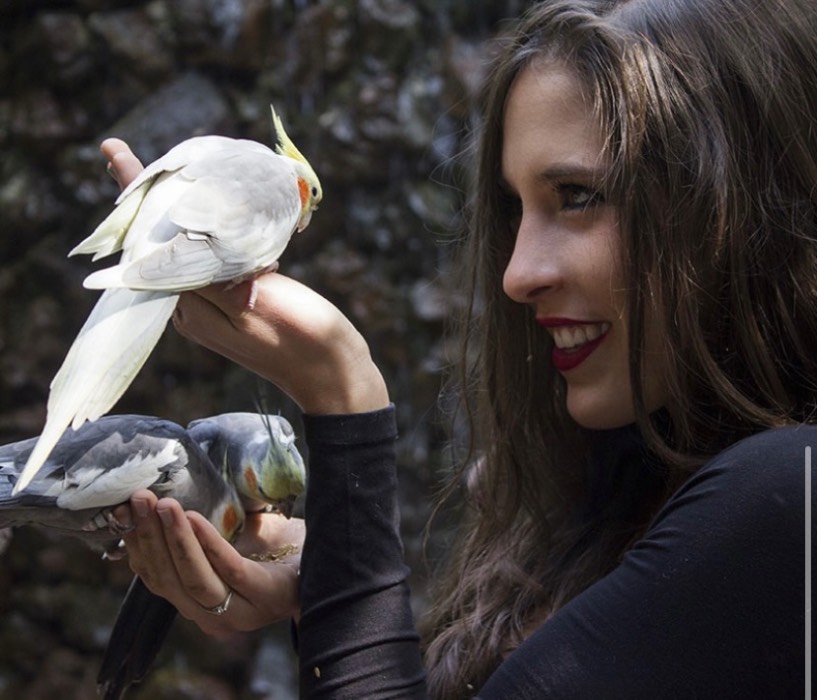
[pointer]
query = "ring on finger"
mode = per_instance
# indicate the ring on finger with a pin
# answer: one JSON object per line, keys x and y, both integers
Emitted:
{"x": 222, "y": 607}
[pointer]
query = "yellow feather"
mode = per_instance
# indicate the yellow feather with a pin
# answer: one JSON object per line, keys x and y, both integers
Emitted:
{"x": 285, "y": 147}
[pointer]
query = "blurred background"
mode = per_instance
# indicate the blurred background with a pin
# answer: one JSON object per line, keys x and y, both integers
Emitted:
{"x": 380, "y": 96}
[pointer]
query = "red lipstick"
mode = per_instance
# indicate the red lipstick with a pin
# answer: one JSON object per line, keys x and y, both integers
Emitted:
{"x": 566, "y": 359}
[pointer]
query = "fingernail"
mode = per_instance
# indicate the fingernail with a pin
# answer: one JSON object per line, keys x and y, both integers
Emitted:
{"x": 141, "y": 508}
{"x": 166, "y": 516}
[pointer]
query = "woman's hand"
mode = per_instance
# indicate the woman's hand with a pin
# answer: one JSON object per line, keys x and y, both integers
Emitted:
{"x": 291, "y": 336}
{"x": 182, "y": 557}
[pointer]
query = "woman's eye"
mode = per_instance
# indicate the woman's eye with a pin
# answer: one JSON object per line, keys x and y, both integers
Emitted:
{"x": 578, "y": 197}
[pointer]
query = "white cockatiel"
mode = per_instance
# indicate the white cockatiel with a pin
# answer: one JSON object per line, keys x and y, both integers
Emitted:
{"x": 212, "y": 209}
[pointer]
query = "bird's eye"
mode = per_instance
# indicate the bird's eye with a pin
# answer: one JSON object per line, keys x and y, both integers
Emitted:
{"x": 314, "y": 191}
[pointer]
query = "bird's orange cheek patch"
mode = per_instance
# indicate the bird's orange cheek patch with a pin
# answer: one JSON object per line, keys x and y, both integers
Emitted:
{"x": 303, "y": 191}
{"x": 250, "y": 479}
{"x": 230, "y": 521}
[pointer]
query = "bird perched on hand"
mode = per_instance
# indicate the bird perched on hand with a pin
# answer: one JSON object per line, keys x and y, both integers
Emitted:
{"x": 213, "y": 209}
{"x": 218, "y": 466}
{"x": 221, "y": 466}
{"x": 95, "y": 468}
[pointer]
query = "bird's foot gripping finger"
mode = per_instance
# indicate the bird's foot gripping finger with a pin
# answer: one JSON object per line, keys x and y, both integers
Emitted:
{"x": 105, "y": 519}
{"x": 236, "y": 281}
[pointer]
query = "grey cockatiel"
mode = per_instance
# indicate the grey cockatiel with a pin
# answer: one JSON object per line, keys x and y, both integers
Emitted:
{"x": 221, "y": 467}
{"x": 218, "y": 466}
{"x": 213, "y": 209}
{"x": 97, "y": 467}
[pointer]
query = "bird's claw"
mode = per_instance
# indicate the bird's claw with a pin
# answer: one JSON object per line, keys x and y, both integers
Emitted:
{"x": 106, "y": 519}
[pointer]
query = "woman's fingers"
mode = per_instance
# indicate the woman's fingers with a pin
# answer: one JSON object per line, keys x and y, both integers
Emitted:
{"x": 165, "y": 553}
{"x": 182, "y": 557}
{"x": 265, "y": 591}
{"x": 270, "y": 532}
{"x": 123, "y": 165}
{"x": 147, "y": 552}
{"x": 198, "y": 580}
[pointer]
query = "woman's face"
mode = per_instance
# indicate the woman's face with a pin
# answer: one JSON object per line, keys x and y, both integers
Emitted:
{"x": 565, "y": 263}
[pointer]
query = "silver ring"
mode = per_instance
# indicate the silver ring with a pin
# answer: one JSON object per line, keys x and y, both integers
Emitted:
{"x": 221, "y": 608}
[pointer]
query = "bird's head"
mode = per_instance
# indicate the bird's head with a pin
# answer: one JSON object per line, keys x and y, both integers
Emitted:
{"x": 280, "y": 474}
{"x": 309, "y": 187}
{"x": 258, "y": 454}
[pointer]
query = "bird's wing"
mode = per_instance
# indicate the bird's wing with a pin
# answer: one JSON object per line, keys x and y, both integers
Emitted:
{"x": 177, "y": 157}
{"x": 79, "y": 457}
{"x": 12, "y": 457}
{"x": 109, "y": 236}
{"x": 183, "y": 263}
{"x": 234, "y": 193}
{"x": 113, "y": 470}
{"x": 233, "y": 216}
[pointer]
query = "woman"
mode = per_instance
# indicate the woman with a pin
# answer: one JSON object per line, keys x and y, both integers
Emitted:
{"x": 640, "y": 381}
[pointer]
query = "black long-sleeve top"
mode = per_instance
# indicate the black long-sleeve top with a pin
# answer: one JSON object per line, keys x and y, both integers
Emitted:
{"x": 709, "y": 603}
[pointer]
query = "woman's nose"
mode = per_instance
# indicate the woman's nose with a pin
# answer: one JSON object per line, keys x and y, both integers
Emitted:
{"x": 533, "y": 267}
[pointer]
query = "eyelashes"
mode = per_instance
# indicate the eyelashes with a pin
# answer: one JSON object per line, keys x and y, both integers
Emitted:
{"x": 577, "y": 197}
{"x": 570, "y": 198}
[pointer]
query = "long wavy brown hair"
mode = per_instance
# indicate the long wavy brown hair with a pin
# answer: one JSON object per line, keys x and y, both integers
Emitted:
{"x": 709, "y": 108}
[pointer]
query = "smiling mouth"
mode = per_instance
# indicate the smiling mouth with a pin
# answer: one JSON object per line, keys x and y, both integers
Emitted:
{"x": 575, "y": 342}
{"x": 569, "y": 338}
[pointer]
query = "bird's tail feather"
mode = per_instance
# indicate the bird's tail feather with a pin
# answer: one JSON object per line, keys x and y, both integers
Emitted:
{"x": 109, "y": 351}
{"x": 141, "y": 627}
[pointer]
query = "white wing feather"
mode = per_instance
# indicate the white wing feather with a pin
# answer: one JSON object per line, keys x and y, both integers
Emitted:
{"x": 106, "y": 355}
{"x": 87, "y": 487}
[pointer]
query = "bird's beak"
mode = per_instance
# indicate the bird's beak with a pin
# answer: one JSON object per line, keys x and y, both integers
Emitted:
{"x": 303, "y": 222}
{"x": 286, "y": 507}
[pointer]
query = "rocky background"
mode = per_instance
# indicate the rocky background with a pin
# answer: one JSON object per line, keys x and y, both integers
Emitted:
{"x": 379, "y": 94}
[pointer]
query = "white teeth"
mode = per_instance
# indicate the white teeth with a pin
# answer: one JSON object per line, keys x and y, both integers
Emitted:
{"x": 567, "y": 337}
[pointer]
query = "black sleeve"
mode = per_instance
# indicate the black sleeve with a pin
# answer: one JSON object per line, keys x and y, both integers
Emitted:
{"x": 356, "y": 636}
{"x": 709, "y": 604}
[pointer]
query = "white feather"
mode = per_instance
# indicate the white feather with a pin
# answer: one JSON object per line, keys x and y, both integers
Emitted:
{"x": 98, "y": 488}
{"x": 108, "y": 353}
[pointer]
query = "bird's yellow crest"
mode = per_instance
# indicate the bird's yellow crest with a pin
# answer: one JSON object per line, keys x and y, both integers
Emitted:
{"x": 309, "y": 186}
{"x": 285, "y": 147}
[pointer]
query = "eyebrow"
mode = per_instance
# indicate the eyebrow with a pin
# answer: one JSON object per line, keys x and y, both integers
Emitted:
{"x": 563, "y": 171}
